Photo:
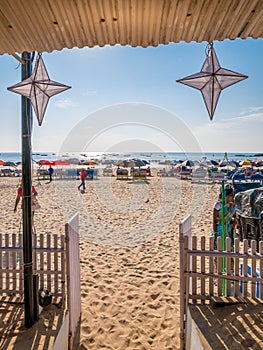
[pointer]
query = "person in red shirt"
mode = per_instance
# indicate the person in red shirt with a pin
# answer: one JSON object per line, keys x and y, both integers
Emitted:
{"x": 19, "y": 196}
{"x": 83, "y": 175}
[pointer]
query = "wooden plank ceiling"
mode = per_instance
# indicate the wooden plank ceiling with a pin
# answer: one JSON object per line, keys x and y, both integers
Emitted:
{"x": 47, "y": 25}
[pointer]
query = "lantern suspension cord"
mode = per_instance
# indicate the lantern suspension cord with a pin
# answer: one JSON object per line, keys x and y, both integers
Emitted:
{"x": 208, "y": 47}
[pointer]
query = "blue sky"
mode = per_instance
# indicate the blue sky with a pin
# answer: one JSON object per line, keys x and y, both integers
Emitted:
{"x": 154, "y": 112}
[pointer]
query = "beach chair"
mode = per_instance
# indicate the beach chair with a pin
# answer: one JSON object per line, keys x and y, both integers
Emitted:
{"x": 122, "y": 174}
{"x": 72, "y": 173}
{"x": 217, "y": 176}
{"x": 107, "y": 172}
{"x": 42, "y": 173}
{"x": 139, "y": 174}
{"x": 241, "y": 182}
{"x": 162, "y": 172}
{"x": 91, "y": 174}
{"x": 200, "y": 175}
{"x": 185, "y": 173}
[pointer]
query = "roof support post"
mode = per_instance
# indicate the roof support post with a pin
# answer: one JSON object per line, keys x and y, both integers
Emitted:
{"x": 26, "y": 111}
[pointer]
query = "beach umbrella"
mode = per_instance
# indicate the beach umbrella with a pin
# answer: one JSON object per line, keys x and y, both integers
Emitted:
{"x": 73, "y": 161}
{"x": 39, "y": 88}
{"x": 246, "y": 163}
{"x": 259, "y": 163}
{"x": 188, "y": 162}
{"x": 1, "y": 162}
{"x": 130, "y": 163}
{"x": 233, "y": 163}
{"x": 223, "y": 163}
{"x": 45, "y": 162}
{"x": 139, "y": 162}
{"x": 9, "y": 164}
{"x": 88, "y": 162}
{"x": 206, "y": 162}
{"x": 212, "y": 80}
{"x": 214, "y": 162}
{"x": 61, "y": 162}
{"x": 120, "y": 163}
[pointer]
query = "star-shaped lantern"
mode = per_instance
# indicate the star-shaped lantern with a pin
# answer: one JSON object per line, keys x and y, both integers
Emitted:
{"x": 212, "y": 80}
{"x": 39, "y": 88}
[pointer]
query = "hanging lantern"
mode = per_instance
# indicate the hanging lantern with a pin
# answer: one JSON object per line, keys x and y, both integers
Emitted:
{"x": 39, "y": 88}
{"x": 212, "y": 80}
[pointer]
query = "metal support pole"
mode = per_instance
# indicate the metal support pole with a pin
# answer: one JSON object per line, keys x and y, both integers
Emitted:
{"x": 27, "y": 197}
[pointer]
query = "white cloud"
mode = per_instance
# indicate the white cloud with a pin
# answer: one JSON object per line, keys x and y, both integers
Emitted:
{"x": 252, "y": 110}
{"x": 65, "y": 103}
{"x": 250, "y": 117}
{"x": 89, "y": 93}
{"x": 229, "y": 123}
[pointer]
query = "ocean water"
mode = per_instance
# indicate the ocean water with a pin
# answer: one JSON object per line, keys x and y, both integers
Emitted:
{"x": 16, "y": 157}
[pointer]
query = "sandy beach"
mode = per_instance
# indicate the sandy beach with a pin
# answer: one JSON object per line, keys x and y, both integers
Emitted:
{"x": 129, "y": 251}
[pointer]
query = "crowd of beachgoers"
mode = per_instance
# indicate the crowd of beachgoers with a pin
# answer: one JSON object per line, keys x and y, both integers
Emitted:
{"x": 129, "y": 261}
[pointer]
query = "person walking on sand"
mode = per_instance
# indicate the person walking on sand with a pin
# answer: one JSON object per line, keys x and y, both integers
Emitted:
{"x": 50, "y": 172}
{"x": 83, "y": 175}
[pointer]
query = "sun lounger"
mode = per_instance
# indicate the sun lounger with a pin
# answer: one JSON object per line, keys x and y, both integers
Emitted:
{"x": 72, "y": 173}
{"x": 122, "y": 174}
{"x": 7, "y": 172}
{"x": 162, "y": 173}
{"x": 107, "y": 172}
{"x": 217, "y": 176}
{"x": 139, "y": 174}
{"x": 42, "y": 173}
{"x": 199, "y": 175}
{"x": 91, "y": 174}
{"x": 185, "y": 174}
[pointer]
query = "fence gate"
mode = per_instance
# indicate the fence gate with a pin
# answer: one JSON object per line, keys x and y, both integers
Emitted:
{"x": 206, "y": 273}
{"x": 73, "y": 280}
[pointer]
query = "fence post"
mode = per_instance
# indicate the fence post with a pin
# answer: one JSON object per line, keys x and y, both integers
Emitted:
{"x": 73, "y": 280}
{"x": 185, "y": 228}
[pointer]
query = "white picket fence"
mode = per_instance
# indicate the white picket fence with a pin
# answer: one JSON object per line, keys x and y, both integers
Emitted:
{"x": 207, "y": 273}
{"x": 55, "y": 260}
